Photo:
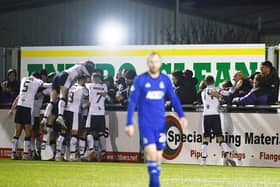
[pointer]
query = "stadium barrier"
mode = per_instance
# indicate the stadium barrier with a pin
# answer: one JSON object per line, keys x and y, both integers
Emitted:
{"x": 253, "y": 137}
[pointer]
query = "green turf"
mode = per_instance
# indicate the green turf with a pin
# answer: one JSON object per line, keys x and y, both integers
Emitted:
{"x": 43, "y": 173}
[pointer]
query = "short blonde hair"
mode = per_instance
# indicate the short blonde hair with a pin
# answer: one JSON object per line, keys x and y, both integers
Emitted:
{"x": 152, "y": 54}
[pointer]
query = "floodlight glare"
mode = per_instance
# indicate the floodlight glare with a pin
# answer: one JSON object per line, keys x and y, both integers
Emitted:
{"x": 111, "y": 34}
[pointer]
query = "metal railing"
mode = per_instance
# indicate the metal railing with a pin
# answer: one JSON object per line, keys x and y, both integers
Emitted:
{"x": 195, "y": 108}
{"x": 223, "y": 108}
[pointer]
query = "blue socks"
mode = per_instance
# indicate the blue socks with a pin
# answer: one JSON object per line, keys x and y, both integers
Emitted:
{"x": 154, "y": 173}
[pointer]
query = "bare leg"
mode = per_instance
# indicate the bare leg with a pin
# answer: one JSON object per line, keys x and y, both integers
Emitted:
{"x": 17, "y": 134}
{"x": 73, "y": 144}
{"x": 49, "y": 107}
{"x": 61, "y": 106}
{"x": 62, "y": 98}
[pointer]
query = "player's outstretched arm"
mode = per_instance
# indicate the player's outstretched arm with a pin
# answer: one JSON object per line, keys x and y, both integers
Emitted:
{"x": 216, "y": 94}
{"x": 132, "y": 103}
{"x": 176, "y": 104}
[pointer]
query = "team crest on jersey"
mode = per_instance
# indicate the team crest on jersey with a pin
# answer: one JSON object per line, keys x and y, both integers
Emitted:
{"x": 148, "y": 85}
{"x": 161, "y": 85}
{"x": 145, "y": 140}
{"x": 132, "y": 88}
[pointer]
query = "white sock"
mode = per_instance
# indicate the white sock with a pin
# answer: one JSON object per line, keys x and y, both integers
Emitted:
{"x": 82, "y": 145}
{"x": 26, "y": 145}
{"x": 73, "y": 144}
{"x": 46, "y": 137}
{"x": 37, "y": 144}
{"x": 14, "y": 144}
{"x": 204, "y": 150}
{"x": 32, "y": 145}
{"x": 53, "y": 146}
{"x": 224, "y": 147}
{"x": 61, "y": 106}
{"x": 48, "y": 110}
{"x": 49, "y": 131}
{"x": 63, "y": 149}
{"x": 90, "y": 142}
{"x": 59, "y": 143}
{"x": 96, "y": 145}
{"x": 102, "y": 141}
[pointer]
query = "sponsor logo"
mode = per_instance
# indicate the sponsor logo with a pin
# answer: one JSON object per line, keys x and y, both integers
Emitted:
{"x": 174, "y": 131}
{"x": 155, "y": 95}
{"x": 122, "y": 156}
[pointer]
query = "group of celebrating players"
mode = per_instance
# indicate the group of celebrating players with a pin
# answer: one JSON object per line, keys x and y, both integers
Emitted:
{"x": 74, "y": 117}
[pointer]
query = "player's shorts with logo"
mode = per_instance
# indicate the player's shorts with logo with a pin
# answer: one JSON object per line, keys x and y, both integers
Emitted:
{"x": 97, "y": 124}
{"x": 23, "y": 115}
{"x": 72, "y": 120}
{"x": 149, "y": 135}
{"x": 212, "y": 123}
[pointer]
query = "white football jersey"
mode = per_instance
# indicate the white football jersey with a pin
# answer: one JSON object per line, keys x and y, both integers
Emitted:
{"x": 48, "y": 89}
{"x": 85, "y": 110}
{"x": 97, "y": 101}
{"x": 28, "y": 88}
{"x": 210, "y": 103}
{"x": 76, "y": 71}
{"x": 37, "y": 106}
{"x": 39, "y": 101}
{"x": 76, "y": 95}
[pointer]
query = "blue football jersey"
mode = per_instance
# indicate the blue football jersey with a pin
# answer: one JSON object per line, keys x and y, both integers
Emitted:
{"x": 148, "y": 95}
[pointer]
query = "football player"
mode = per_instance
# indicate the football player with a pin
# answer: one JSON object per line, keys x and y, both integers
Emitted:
{"x": 72, "y": 117}
{"x": 23, "y": 105}
{"x": 96, "y": 124}
{"x": 61, "y": 83}
{"x": 211, "y": 120}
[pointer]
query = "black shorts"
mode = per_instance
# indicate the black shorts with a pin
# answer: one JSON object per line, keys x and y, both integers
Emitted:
{"x": 23, "y": 115}
{"x": 59, "y": 80}
{"x": 56, "y": 127}
{"x": 72, "y": 120}
{"x": 36, "y": 124}
{"x": 83, "y": 122}
{"x": 55, "y": 108}
{"x": 97, "y": 124}
{"x": 212, "y": 123}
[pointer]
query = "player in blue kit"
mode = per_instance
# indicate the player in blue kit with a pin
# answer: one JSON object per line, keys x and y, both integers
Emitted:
{"x": 148, "y": 95}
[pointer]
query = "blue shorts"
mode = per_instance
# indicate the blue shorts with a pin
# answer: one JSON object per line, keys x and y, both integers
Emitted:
{"x": 150, "y": 136}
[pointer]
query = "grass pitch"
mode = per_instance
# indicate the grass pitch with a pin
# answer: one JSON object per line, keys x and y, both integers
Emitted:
{"x": 77, "y": 174}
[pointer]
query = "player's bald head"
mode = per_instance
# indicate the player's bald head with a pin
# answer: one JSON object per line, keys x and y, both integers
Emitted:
{"x": 154, "y": 62}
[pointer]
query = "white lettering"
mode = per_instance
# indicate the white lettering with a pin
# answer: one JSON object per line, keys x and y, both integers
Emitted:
{"x": 155, "y": 95}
